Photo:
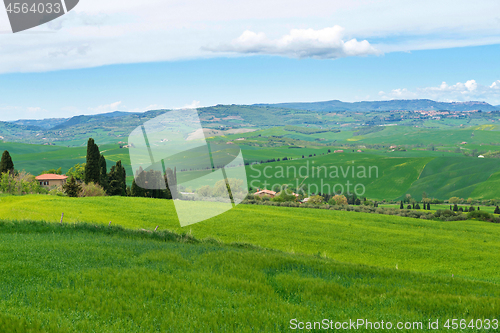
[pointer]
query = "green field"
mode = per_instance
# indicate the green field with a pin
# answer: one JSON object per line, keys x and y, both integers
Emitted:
{"x": 467, "y": 249}
{"x": 79, "y": 278}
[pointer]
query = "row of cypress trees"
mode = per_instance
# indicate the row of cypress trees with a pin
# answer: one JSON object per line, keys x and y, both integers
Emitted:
{"x": 114, "y": 182}
{"x": 427, "y": 206}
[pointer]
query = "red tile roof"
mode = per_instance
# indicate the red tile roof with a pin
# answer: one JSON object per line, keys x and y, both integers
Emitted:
{"x": 50, "y": 176}
{"x": 266, "y": 192}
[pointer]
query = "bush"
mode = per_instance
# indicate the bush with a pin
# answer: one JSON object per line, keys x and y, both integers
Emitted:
{"x": 20, "y": 183}
{"x": 338, "y": 200}
{"x": 91, "y": 190}
{"x": 479, "y": 215}
{"x": 315, "y": 199}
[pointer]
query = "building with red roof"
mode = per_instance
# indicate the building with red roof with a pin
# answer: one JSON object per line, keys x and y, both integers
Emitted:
{"x": 51, "y": 179}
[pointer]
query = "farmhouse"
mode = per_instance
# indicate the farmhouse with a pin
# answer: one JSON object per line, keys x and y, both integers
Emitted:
{"x": 338, "y": 151}
{"x": 51, "y": 179}
{"x": 262, "y": 193}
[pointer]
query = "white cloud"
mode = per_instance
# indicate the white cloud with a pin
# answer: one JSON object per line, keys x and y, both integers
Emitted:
{"x": 98, "y": 33}
{"x": 193, "y": 105}
{"x": 470, "y": 90}
{"x": 326, "y": 43}
{"x": 106, "y": 108}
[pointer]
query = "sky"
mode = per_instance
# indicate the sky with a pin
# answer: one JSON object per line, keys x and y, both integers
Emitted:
{"x": 135, "y": 56}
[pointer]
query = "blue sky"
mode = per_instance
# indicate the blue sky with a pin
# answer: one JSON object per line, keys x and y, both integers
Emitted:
{"x": 104, "y": 60}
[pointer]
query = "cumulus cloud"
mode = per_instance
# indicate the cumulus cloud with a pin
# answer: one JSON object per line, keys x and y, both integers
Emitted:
{"x": 326, "y": 43}
{"x": 459, "y": 91}
{"x": 127, "y": 31}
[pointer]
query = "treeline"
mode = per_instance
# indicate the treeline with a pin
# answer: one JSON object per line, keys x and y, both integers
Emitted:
{"x": 307, "y": 130}
{"x": 14, "y": 182}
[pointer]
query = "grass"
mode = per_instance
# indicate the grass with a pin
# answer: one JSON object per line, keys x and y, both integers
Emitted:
{"x": 86, "y": 278}
{"x": 467, "y": 249}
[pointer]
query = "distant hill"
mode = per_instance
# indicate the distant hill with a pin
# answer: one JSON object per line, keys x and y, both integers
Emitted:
{"x": 115, "y": 126}
{"x": 407, "y": 104}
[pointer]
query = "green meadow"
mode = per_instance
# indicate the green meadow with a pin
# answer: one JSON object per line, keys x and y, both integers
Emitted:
{"x": 466, "y": 249}
{"x": 86, "y": 278}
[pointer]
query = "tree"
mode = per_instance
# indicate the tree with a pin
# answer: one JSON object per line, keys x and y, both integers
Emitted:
{"x": 338, "y": 199}
{"x": 77, "y": 171}
{"x": 315, "y": 199}
{"x": 455, "y": 208}
{"x": 72, "y": 188}
{"x": 417, "y": 206}
{"x": 103, "y": 173}
{"x": 6, "y": 164}
{"x": 401, "y": 206}
{"x": 497, "y": 210}
{"x": 52, "y": 171}
{"x": 471, "y": 209}
{"x": 408, "y": 197}
{"x": 357, "y": 202}
{"x": 428, "y": 206}
{"x": 92, "y": 170}
{"x": 171, "y": 182}
{"x": 408, "y": 207}
{"x": 454, "y": 200}
{"x": 117, "y": 180}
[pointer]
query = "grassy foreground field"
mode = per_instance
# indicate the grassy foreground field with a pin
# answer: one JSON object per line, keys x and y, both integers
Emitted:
{"x": 84, "y": 278}
{"x": 467, "y": 249}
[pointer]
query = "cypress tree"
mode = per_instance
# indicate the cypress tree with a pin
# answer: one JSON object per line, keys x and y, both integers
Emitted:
{"x": 171, "y": 180}
{"x": 455, "y": 208}
{"x": 103, "y": 175}
{"x": 401, "y": 206}
{"x": 72, "y": 188}
{"x": 6, "y": 164}
{"x": 428, "y": 206}
{"x": 92, "y": 170}
{"x": 497, "y": 210}
{"x": 117, "y": 180}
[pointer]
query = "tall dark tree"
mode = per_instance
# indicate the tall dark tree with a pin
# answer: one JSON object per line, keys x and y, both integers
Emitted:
{"x": 401, "y": 206}
{"x": 117, "y": 180}
{"x": 103, "y": 173}
{"x": 455, "y": 208}
{"x": 6, "y": 164}
{"x": 497, "y": 210}
{"x": 92, "y": 170}
{"x": 428, "y": 206}
{"x": 171, "y": 181}
{"x": 72, "y": 188}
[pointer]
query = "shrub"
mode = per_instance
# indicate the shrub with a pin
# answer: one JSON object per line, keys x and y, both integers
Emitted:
{"x": 338, "y": 200}
{"x": 315, "y": 200}
{"x": 91, "y": 190}
{"x": 20, "y": 183}
{"x": 479, "y": 215}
